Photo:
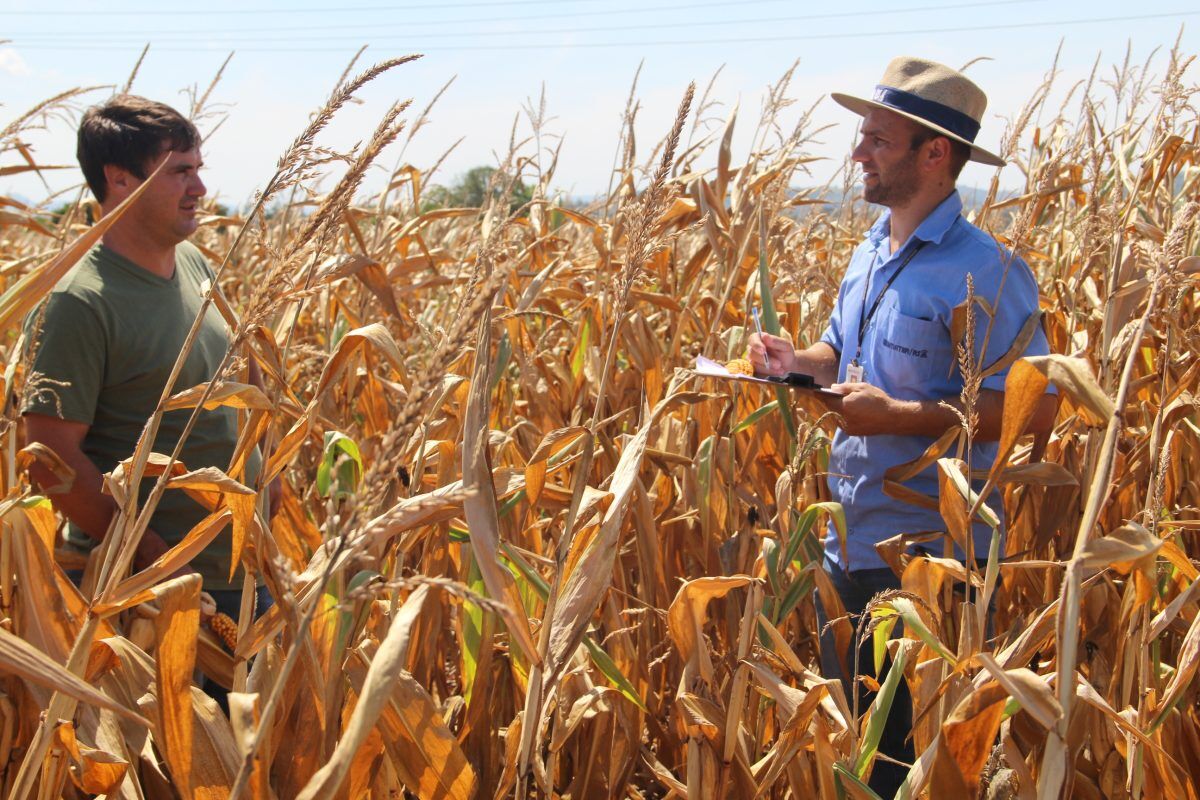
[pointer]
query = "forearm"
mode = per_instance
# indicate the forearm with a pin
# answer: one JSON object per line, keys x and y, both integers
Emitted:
{"x": 90, "y": 510}
{"x": 82, "y": 503}
{"x": 989, "y": 409}
{"x": 819, "y": 360}
{"x": 867, "y": 410}
{"x": 932, "y": 417}
{"x": 925, "y": 418}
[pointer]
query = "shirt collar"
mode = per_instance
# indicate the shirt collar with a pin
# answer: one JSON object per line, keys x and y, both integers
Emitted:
{"x": 935, "y": 226}
{"x": 932, "y": 229}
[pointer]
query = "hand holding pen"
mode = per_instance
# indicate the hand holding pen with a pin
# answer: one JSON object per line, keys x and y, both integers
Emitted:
{"x": 758, "y": 327}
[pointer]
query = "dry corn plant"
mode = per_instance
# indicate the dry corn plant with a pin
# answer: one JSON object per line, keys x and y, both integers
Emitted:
{"x": 521, "y": 551}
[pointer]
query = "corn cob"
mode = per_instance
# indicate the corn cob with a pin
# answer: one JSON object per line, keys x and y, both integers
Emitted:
{"x": 740, "y": 366}
{"x": 225, "y": 629}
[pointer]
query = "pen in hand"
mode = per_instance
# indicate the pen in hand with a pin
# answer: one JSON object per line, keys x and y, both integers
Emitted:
{"x": 758, "y": 327}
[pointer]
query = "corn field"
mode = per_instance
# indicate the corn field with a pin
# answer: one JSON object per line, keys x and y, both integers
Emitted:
{"x": 521, "y": 550}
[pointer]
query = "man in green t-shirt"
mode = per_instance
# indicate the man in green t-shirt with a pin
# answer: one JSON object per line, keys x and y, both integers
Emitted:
{"x": 113, "y": 328}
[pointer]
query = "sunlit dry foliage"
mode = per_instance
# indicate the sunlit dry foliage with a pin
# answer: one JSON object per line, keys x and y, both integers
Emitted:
{"x": 522, "y": 551}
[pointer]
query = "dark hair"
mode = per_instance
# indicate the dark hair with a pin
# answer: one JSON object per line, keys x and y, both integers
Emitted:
{"x": 960, "y": 152}
{"x": 129, "y": 132}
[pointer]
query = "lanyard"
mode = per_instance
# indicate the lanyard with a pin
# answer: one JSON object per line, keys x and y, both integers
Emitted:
{"x": 865, "y": 316}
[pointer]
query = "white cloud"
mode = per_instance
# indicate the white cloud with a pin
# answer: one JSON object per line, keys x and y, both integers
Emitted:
{"x": 11, "y": 63}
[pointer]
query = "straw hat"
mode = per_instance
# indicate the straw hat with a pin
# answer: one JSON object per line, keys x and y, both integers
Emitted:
{"x": 932, "y": 94}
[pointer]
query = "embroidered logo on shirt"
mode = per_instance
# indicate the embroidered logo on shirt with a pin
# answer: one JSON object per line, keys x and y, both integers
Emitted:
{"x": 908, "y": 351}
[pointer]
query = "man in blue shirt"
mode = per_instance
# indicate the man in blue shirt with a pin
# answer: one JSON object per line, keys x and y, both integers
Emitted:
{"x": 888, "y": 346}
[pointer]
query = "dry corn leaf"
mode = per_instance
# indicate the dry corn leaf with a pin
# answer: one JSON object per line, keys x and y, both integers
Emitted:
{"x": 227, "y": 394}
{"x": 245, "y": 716}
{"x": 1027, "y": 688}
{"x": 687, "y": 612}
{"x": 1074, "y": 377}
{"x": 23, "y": 660}
{"x": 141, "y": 586}
{"x": 91, "y": 770}
{"x": 1128, "y": 543}
{"x": 480, "y": 504}
{"x": 970, "y": 732}
{"x": 1023, "y": 390}
{"x": 214, "y": 756}
{"x": 424, "y": 751}
{"x": 36, "y": 452}
{"x": 582, "y": 587}
{"x": 385, "y": 668}
{"x": 29, "y": 290}
{"x": 176, "y": 628}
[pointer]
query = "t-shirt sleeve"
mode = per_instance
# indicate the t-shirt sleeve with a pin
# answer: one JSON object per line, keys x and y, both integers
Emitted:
{"x": 66, "y": 360}
{"x": 1016, "y": 302}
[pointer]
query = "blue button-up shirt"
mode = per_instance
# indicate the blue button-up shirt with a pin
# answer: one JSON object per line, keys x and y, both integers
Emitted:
{"x": 908, "y": 352}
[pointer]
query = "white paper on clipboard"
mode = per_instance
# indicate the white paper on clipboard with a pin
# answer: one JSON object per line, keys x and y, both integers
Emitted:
{"x": 715, "y": 369}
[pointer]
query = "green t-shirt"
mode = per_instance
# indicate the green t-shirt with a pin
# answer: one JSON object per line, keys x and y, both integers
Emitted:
{"x": 112, "y": 332}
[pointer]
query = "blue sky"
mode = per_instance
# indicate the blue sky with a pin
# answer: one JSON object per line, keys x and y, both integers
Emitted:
{"x": 500, "y": 54}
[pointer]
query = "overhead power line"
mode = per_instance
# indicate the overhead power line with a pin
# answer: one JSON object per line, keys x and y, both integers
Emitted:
{"x": 208, "y": 11}
{"x": 375, "y": 32}
{"x": 839, "y": 35}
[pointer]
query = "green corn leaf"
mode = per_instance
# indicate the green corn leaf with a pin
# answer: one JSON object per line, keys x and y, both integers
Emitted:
{"x": 527, "y": 572}
{"x": 508, "y": 505}
{"x": 609, "y": 669}
{"x": 1011, "y": 707}
{"x": 472, "y": 628}
{"x": 837, "y": 514}
{"x": 800, "y": 588}
{"x": 340, "y": 328}
{"x": 600, "y": 658}
{"x": 912, "y": 622}
{"x": 580, "y": 354}
{"x": 341, "y": 463}
{"x": 770, "y": 321}
{"x": 755, "y": 415}
{"x": 804, "y": 524}
{"x": 880, "y": 709}
{"x": 503, "y": 355}
{"x": 350, "y": 621}
{"x": 704, "y": 462}
{"x": 843, "y": 776}
{"x": 770, "y": 551}
{"x": 879, "y": 639}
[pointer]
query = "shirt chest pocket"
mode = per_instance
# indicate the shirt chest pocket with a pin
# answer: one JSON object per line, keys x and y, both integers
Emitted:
{"x": 911, "y": 354}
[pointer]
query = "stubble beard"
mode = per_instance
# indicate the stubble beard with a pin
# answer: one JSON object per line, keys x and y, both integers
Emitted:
{"x": 898, "y": 188}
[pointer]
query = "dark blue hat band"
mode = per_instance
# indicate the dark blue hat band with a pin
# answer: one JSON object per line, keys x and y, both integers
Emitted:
{"x": 943, "y": 116}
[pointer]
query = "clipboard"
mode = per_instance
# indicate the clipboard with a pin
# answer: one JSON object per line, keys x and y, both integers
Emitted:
{"x": 793, "y": 380}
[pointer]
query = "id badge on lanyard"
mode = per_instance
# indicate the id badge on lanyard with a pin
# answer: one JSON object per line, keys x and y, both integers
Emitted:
{"x": 854, "y": 370}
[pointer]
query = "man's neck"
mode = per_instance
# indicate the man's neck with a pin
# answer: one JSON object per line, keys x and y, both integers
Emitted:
{"x": 905, "y": 220}
{"x": 154, "y": 257}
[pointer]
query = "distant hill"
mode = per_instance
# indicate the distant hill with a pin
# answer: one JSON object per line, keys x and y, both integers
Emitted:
{"x": 972, "y": 196}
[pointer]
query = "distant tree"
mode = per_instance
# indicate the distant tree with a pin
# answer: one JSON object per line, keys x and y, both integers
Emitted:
{"x": 472, "y": 189}
{"x": 57, "y": 212}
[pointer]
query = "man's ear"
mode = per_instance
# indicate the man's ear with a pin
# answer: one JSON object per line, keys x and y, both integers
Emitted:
{"x": 120, "y": 181}
{"x": 937, "y": 152}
